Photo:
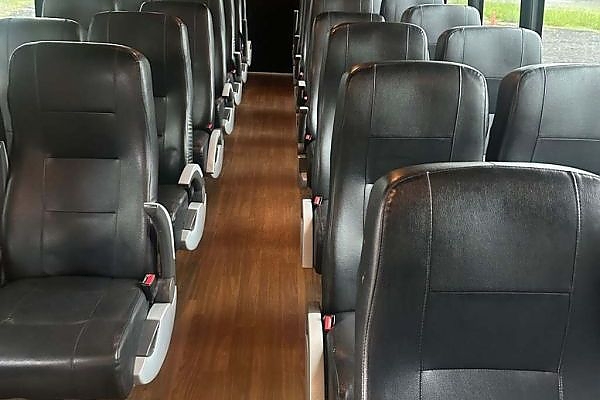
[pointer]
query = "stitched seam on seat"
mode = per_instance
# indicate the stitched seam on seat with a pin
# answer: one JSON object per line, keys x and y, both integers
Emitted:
{"x": 427, "y": 286}
{"x": 374, "y": 90}
{"x": 573, "y": 271}
{"x": 43, "y": 198}
{"x": 458, "y": 104}
{"x": 371, "y": 305}
{"x": 537, "y": 138}
{"x": 84, "y": 328}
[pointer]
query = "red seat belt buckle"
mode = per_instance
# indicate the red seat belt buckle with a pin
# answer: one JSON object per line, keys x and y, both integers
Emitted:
{"x": 328, "y": 322}
{"x": 149, "y": 286}
{"x": 308, "y": 138}
{"x": 317, "y": 200}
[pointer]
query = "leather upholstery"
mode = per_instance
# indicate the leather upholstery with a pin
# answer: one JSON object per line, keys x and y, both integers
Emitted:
{"x": 119, "y": 5}
{"x": 17, "y": 31}
{"x": 164, "y": 41}
{"x": 384, "y": 123}
{"x": 493, "y": 50}
{"x": 76, "y": 349}
{"x": 549, "y": 114}
{"x": 340, "y": 357}
{"x": 437, "y": 18}
{"x": 392, "y": 10}
{"x": 81, "y": 11}
{"x": 74, "y": 233}
{"x": 229, "y": 9}
{"x": 197, "y": 18}
{"x": 316, "y": 54}
{"x": 480, "y": 282}
{"x": 351, "y": 44}
{"x": 317, "y": 7}
{"x": 217, "y": 10}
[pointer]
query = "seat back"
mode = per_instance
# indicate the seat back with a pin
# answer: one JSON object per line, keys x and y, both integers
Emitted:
{"x": 437, "y": 18}
{"x": 164, "y": 41}
{"x": 16, "y": 32}
{"x": 392, "y": 115}
{"x": 480, "y": 282}
{"x": 392, "y": 10}
{"x": 83, "y": 162}
{"x": 316, "y": 7}
{"x": 493, "y": 50}
{"x": 351, "y": 44}
{"x": 217, "y": 10}
{"x": 122, "y": 5}
{"x": 198, "y": 20}
{"x": 229, "y": 9}
{"x": 81, "y": 11}
{"x": 549, "y": 114}
{"x": 316, "y": 55}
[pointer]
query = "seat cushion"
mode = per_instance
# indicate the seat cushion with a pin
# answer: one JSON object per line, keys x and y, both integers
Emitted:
{"x": 340, "y": 358}
{"x": 69, "y": 337}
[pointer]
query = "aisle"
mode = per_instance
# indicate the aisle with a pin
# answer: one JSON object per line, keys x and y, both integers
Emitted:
{"x": 239, "y": 332}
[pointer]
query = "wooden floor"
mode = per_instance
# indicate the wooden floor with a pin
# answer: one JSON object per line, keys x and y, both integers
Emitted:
{"x": 239, "y": 332}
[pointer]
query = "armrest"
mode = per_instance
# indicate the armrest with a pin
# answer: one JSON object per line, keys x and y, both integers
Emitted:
{"x": 227, "y": 91}
{"x": 4, "y": 170}
{"x": 193, "y": 179}
{"x": 161, "y": 222}
{"x": 193, "y": 227}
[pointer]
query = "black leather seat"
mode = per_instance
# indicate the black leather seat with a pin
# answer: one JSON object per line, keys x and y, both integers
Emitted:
{"x": 77, "y": 10}
{"x": 493, "y": 50}
{"x": 316, "y": 57}
{"x": 437, "y": 18}
{"x": 208, "y": 141}
{"x": 16, "y": 32}
{"x": 392, "y": 10}
{"x": 234, "y": 58}
{"x": 484, "y": 286}
{"x": 350, "y": 44}
{"x": 548, "y": 114}
{"x": 224, "y": 88}
{"x": 316, "y": 7}
{"x": 245, "y": 44}
{"x": 77, "y": 227}
{"x": 164, "y": 41}
{"x": 384, "y": 121}
{"x": 121, "y": 5}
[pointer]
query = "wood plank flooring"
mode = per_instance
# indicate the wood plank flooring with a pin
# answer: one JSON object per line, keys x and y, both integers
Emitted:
{"x": 239, "y": 331}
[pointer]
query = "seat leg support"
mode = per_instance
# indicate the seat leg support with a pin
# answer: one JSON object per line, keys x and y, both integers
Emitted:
{"x": 146, "y": 368}
{"x": 306, "y": 233}
{"x": 315, "y": 357}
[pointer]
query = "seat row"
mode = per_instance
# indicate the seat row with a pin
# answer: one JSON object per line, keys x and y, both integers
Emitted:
{"x": 374, "y": 114}
{"x": 494, "y": 51}
{"x": 194, "y": 94}
{"x": 105, "y": 146}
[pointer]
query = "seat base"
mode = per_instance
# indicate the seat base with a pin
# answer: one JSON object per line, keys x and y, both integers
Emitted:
{"x": 315, "y": 360}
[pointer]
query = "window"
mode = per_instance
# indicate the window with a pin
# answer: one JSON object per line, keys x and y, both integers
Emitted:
{"x": 17, "y": 8}
{"x": 571, "y": 31}
{"x": 461, "y": 2}
{"x": 501, "y": 12}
